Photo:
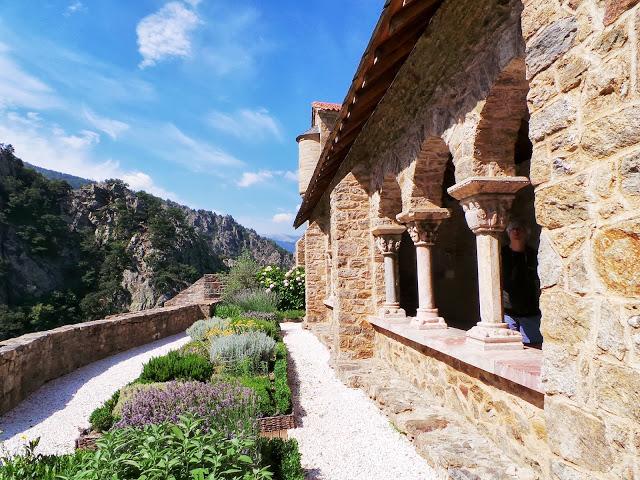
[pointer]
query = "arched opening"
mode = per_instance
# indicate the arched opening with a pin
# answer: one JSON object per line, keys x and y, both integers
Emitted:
{"x": 408, "y": 276}
{"x": 455, "y": 263}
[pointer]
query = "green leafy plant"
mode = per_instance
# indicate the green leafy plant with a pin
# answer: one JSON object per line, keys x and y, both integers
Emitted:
{"x": 102, "y": 418}
{"x": 261, "y": 386}
{"x": 241, "y": 276}
{"x": 242, "y": 325}
{"x": 283, "y": 456}
{"x": 291, "y": 315}
{"x": 282, "y": 392}
{"x": 255, "y": 299}
{"x": 176, "y": 366}
{"x": 226, "y": 310}
{"x": 200, "y": 348}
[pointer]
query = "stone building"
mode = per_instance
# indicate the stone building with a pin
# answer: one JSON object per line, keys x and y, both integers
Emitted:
{"x": 461, "y": 115}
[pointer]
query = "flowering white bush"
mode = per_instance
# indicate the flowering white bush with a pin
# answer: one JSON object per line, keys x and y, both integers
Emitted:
{"x": 288, "y": 286}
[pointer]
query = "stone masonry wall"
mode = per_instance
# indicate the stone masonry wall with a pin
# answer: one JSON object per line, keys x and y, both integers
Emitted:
{"x": 516, "y": 424}
{"x": 352, "y": 242}
{"x": 316, "y": 273}
{"x": 29, "y": 361}
{"x": 582, "y": 61}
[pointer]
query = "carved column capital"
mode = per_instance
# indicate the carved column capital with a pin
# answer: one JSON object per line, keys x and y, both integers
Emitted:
{"x": 388, "y": 244}
{"x": 487, "y": 201}
{"x": 423, "y": 232}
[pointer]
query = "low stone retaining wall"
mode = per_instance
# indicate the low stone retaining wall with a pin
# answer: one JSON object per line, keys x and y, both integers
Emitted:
{"x": 29, "y": 361}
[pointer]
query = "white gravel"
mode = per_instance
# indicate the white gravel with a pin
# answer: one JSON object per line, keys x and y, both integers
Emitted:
{"x": 344, "y": 436}
{"x": 59, "y": 409}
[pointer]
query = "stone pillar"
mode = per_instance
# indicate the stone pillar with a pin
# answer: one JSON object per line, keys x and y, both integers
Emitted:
{"x": 388, "y": 239}
{"x": 422, "y": 224}
{"x": 486, "y": 202}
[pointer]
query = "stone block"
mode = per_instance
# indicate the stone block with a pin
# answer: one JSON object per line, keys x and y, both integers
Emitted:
{"x": 559, "y": 370}
{"x": 562, "y": 204}
{"x": 553, "y": 118}
{"x": 546, "y": 46}
{"x": 569, "y": 239}
{"x": 577, "y": 436}
{"x": 616, "y": 250}
{"x": 617, "y": 390}
{"x": 570, "y": 71}
{"x": 549, "y": 263}
{"x": 565, "y": 319}
{"x": 610, "y": 39}
{"x": 611, "y": 332}
{"x": 630, "y": 174}
{"x": 614, "y": 8}
{"x": 613, "y": 132}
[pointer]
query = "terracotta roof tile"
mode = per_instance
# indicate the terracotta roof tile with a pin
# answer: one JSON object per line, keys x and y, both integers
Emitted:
{"x": 327, "y": 106}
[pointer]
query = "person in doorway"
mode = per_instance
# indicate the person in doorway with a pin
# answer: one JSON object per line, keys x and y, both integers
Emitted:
{"x": 521, "y": 287}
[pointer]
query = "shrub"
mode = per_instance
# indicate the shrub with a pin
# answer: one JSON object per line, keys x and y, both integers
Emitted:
{"x": 291, "y": 315}
{"x": 242, "y": 325}
{"x": 222, "y": 406}
{"x": 241, "y": 276}
{"x": 102, "y": 418}
{"x": 288, "y": 286}
{"x": 198, "y": 331}
{"x": 248, "y": 352}
{"x": 225, "y": 310}
{"x": 280, "y": 351}
{"x": 200, "y": 348}
{"x": 282, "y": 392}
{"x": 176, "y": 366}
{"x": 257, "y": 300}
{"x": 284, "y": 458}
{"x": 261, "y": 386}
{"x": 130, "y": 391}
{"x": 268, "y": 316}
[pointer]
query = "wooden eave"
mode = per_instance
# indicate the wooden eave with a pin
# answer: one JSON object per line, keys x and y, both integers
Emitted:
{"x": 401, "y": 24}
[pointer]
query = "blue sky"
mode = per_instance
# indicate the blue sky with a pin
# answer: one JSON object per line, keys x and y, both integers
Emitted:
{"x": 199, "y": 101}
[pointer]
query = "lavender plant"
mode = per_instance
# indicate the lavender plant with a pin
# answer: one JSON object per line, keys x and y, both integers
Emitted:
{"x": 221, "y": 406}
{"x": 254, "y": 299}
{"x": 249, "y": 351}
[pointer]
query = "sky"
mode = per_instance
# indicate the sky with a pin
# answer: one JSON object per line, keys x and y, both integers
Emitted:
{"x": 198, "y": 101}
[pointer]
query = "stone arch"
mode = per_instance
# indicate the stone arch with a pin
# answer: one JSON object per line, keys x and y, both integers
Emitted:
{"x": 501, "y": 120}
{"x": 427, "y": 174}
{"x": 387, "y": 201}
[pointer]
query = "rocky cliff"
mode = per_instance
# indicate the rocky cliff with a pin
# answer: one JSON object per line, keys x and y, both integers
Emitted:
{"x": 72, "y": 255}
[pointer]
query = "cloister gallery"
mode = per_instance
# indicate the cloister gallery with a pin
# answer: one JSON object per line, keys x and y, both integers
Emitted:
{"x": 462, "y": 116}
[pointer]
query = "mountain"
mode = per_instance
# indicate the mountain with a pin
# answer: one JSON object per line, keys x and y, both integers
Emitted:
{"x": 73, "y": 255}
{"x": 288, "y": 242}
{"x": 75, "y": 182}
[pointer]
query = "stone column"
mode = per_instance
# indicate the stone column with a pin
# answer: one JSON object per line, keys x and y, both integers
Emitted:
{"x": 388, "y": 239}
{"x": 486, "y": 202}
{"x": 422, "y": 225}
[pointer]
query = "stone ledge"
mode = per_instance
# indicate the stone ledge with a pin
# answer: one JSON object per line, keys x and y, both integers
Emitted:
{"x": 520, "y": 367}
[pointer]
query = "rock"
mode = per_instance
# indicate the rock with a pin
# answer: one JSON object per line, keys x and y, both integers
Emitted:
{"x": 546, "y": 46}
{"x": 616, "y": 251}
{"x": 559, "y": 370}
{"x": 610, "y": 337}
{"x": 570, "y": 70}
{"x": 565, "y": 318}
{"x": 577, "y": 277}
{"x": 618, "y": 390}
{"x": 577, "y": 436}
{"x": 569, "y": 239}
{"x": 564, "y": 471}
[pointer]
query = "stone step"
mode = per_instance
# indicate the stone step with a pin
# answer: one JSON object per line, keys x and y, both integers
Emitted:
{"x": 448, "y": 441}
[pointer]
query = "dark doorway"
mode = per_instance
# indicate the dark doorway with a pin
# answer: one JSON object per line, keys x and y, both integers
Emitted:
{"x": 408, "y": 276}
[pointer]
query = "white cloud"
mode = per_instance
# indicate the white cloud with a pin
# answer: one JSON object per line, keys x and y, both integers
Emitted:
{"x": 113, "y": 128}
{"x": 283, "y": 218}
{"x": 74, "y": 7}
{"x": 49, "y": 146}
{"x": 166, "y": 33}
{"x": 251, "y": 178}
{"x": 193, "y": 153}
{"x": 20, "y": 89}
{"x": 246, "y": 124}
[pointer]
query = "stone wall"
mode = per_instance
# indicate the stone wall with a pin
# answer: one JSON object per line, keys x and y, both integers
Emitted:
{"x": 584, "y": 101}
{"x": 510, "y": 415}
{"x": 315, "y": 273}
{"x": 29, "y": 361}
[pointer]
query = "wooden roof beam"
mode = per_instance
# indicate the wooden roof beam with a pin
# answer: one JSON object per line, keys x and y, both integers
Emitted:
{"x": 409, "y": 13}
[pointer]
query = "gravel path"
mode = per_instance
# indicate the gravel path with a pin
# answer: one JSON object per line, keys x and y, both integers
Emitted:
{"x": 344, "y": 436}
{"x": 61, "y": 407}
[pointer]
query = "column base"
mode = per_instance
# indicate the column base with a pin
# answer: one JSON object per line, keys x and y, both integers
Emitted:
{"x": 495, "y": 336}
{"x": 428, "y": 319}
{"x": 393, "y": 313}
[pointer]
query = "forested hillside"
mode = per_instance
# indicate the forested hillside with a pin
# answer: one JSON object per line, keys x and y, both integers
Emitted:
{"x": 68, "y": 256}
